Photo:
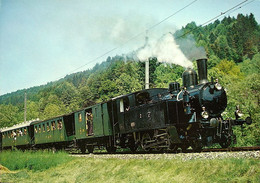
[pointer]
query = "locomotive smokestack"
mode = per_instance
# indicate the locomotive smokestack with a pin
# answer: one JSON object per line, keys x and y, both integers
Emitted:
{"x": 202, "y": 70}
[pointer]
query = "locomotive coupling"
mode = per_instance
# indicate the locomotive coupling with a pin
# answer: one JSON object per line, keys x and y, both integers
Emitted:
{"x": 248, "y": 121}
{"x": 238, "y": 120}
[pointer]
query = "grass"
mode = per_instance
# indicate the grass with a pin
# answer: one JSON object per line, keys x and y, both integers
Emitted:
{"x": 32, "y": 160}
{"x": 141, "y": 170}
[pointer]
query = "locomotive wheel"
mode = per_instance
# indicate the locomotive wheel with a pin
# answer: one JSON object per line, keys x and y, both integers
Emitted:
{"x": 184, "y": 147}
{"x": 90, "y": 149}
{"x": 173, "y": 147}
{"x": 145, "y": 138}
{"x": 225, "y": 141}
{"x": 196, "y": 144}
{"x": 110, "y": 149}
{"x": 133, "y": 148}
{"x": 83, "y": 149}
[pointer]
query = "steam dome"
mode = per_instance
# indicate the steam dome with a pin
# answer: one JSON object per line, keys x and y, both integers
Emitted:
{"x": 189, "y": 78}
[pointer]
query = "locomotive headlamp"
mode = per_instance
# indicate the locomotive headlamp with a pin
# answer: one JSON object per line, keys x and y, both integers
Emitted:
{"x": 217, "y": 85}
{"x": 239, "y": 113}
{"x": 204, "y": 113}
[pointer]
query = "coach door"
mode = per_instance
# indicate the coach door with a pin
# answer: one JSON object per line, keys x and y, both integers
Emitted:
{"x": 69, "y": 122}
{"x": 123, "y": 107}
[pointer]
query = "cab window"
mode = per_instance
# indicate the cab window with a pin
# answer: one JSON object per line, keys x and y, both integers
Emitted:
{"x": 142, "y": 98}
{"x": 124, "y": 104}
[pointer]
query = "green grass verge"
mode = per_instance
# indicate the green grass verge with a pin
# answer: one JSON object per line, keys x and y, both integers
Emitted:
{"x": 141, "y": 170}
{"x": 32, "y": 160}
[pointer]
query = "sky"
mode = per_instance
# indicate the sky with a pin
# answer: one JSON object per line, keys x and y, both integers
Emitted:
{"x": 44, "y": 40}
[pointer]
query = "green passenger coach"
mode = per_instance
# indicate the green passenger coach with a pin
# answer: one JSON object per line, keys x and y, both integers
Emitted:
{"x": 19, "y": 136}
{"x": 57, "y": 132}
{"x": 93, "y": 126}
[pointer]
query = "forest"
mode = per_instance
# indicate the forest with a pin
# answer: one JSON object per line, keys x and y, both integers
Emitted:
{"x": 232, "y": 47}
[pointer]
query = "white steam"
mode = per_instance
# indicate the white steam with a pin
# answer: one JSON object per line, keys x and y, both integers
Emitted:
{"x": 165, "y": 50}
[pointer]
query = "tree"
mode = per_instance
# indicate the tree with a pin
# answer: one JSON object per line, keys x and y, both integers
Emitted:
{"x": 167, "y": 73}
{"x": 51, "y": 110}
{"x": 9, "y": 115}
{"x": 32, "y": 110}
{"x": 68, "y": 95}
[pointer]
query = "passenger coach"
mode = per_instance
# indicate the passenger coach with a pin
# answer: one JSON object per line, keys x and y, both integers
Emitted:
{"x": 20, "y": 136}
{"x": 56, "y": 133}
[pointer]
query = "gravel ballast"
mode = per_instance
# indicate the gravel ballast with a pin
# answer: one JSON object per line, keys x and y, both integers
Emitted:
{"x": 179, "y": 156}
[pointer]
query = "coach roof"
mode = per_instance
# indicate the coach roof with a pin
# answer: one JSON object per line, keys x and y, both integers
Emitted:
{"x": 17, "y": 126}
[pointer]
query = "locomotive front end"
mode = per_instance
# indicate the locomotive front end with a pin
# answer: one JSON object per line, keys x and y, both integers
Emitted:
{"x": 204, "y": 101}
{"x": 212, "y": 96}
{"x": 206, "y": 98}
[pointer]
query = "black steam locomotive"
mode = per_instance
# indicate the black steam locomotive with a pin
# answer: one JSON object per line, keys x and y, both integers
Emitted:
{"x": 182, "y": 117}
{"x": 152, "y": 119}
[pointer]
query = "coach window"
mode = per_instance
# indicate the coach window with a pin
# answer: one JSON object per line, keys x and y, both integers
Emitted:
{"x": 59, "y": 124}
{"x": 48, "y": 127}
{"x": 17, "y": 133}
{"x": 39, "y": 129}
{"x": 80, "y": 117}
{"x": 35, "y": 129}
{"x": 43, "y": 127}
{"x": 53, "y": 125}
{"x": 21, "y": 132}
{"x": 25, "y": 131}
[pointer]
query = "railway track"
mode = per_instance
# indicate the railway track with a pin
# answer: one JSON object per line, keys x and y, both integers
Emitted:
{"x": 230, "y": 149}
{"x": 251, "y": 153}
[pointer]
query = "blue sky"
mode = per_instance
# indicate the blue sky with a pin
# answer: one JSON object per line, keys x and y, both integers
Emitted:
{"x": 43, "y": 40}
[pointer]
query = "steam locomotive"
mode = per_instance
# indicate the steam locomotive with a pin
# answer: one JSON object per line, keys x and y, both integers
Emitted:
{"x": 151, "y": 119}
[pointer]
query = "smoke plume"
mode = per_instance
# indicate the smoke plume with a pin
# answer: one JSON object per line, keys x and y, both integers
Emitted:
{"x": 190, "y": 49}
{"x": 166, "y": 50}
